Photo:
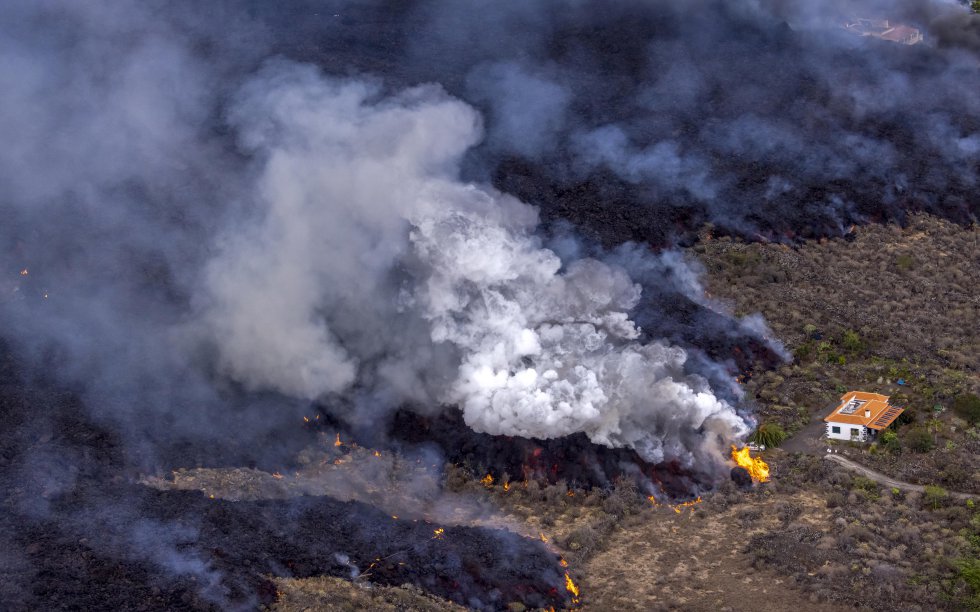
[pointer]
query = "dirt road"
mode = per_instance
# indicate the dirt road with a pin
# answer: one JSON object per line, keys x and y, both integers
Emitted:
{"x": 885, "y": 480}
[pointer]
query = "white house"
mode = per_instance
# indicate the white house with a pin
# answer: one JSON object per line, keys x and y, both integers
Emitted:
{"x": 861, "y": 416}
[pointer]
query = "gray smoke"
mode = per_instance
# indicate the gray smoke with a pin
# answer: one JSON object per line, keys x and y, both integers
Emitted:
{"x": 214, "y": 214}
{"x": 203, "y": 224}
{"x": 368, "y": 258}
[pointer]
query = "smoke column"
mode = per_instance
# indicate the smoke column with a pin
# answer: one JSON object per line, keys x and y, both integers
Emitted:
{"x": 248, "y": 207}
{"x": 368, "y": 259}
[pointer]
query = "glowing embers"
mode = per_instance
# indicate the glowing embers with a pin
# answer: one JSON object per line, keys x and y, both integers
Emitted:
{"x": 679, "y": 507}
{"x": 757, "y": 468}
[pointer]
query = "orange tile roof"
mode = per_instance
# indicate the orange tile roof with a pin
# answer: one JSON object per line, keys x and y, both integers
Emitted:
{"x": 868, "y": 409}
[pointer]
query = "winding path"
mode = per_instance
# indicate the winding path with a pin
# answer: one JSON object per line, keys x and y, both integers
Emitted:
{"x": 885, "y": 480}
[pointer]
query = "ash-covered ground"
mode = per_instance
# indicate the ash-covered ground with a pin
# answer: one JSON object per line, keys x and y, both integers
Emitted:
{"x": 454, "y": 233}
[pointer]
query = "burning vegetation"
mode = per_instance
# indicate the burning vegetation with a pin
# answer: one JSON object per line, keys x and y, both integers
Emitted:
{"x": 756, "y": 467}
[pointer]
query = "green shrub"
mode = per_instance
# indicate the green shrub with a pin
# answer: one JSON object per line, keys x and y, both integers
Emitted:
{"x": 803, "y": 351}
{"x": 867, "y": 486}
{"x": 889, "y": 441}
{"x": 852, "y": 342}
{"x": 769, "y": 434}
{"x": 919, "y": 440}
{"x": 935, "y": 497}
{"x": 969, "y": 572}
{"x": 968, "y": 407}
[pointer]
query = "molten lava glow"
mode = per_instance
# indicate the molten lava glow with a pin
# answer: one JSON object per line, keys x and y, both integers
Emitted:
{"x": 570, "y": 586}
{"x": 337, "y": 442}
{"x": 687, "y": 504}
{"x": 487, "y": 481}
{"x": 757, "y": 468}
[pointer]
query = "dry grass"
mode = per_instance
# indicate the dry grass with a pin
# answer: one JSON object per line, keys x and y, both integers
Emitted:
{"x": 337, "y": 595}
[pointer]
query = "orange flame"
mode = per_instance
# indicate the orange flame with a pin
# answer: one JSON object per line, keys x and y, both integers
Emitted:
{"x": 337, "y": 442}
{"x": 757, "y": 468}
{"x": 438, "y": 533}
{"x": 24, "y": 272}
{"x": 506, "y": 486}
{"x": 687, "y": 504}
{"x": 570, "y": 586}
{"x": 377, "y": 454}
{"x": 277, "y": 475}
{"x": 487, "y": 481}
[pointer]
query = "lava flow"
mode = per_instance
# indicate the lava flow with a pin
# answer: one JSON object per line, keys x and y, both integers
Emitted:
{"x": 757, "y": 468}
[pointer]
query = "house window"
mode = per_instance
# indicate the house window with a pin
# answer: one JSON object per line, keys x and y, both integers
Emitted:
{"x": 855, "y": 432}
{"x": 835, "y": 429}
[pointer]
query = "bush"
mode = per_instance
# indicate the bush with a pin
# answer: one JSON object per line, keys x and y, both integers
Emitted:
{"x": 919, "y": 440}
{"x": 836, "y": 500}
{"x": 769, "y": 434}
{"x": 969, "y": 572}
{"x": 889, "y": 441}
{"x": 868, "y": 486}
{"x": 623, "y": 500}
{"x": 968, "y": 407}
{"x": 851, "y": 341}
{"x": 935, "y": 497}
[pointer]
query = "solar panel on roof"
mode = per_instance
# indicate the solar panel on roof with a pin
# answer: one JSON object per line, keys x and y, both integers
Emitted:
{"x": 887, "y": 416}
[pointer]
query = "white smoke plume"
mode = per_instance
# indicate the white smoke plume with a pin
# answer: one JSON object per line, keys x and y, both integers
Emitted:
{"x": 370, "y": 260}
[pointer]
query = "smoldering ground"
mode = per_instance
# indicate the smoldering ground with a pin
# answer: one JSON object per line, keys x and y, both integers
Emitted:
{"x": 213, "y": 216}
